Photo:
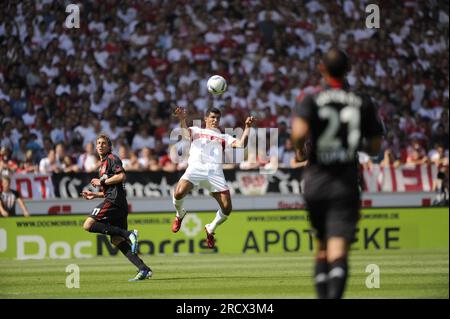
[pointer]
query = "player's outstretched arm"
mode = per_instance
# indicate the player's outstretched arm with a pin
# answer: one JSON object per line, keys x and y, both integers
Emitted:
{"x": 243, "y": 141}
{"x": 180, "y": 113}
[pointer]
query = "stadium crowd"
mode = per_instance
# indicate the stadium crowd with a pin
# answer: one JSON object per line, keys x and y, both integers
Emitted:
{"x": 130, "y": 62}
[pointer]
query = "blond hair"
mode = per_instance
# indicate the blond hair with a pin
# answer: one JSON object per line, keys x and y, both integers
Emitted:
{"x": 105, "y": 137}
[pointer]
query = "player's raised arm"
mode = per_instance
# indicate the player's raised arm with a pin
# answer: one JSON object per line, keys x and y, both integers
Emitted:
{"x": 243, "y": 141}
{"x": 180, "y": 113}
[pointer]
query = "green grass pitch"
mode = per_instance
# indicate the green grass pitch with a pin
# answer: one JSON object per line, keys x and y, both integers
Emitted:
{"x": 403, "y": 274}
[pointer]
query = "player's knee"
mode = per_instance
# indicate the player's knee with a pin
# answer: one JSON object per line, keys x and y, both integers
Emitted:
{"x": 227, "y": 208}
{"x": 178, "y": 194}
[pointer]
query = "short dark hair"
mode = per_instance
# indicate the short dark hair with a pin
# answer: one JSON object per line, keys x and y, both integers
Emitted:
{"x": 336, "y": 62}
{"x": 213, "y": 110}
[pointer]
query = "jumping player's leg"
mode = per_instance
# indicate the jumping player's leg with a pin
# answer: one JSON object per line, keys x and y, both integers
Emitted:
{"x": 218, "y": 188}
{"x": 181, "y": 190}
{"x": 224, "y": 200}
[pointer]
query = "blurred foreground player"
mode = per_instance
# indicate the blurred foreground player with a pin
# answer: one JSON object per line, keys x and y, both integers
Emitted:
{"x": 110, "y": 217}
{"x": 337, "y": 122}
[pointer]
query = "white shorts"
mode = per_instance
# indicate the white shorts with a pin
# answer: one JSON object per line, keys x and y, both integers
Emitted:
{"x": 212, "y": 180}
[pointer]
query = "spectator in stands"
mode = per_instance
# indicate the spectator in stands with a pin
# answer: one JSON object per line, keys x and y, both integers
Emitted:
{"x": 9, "y": 198}
{"x": 85, "y": 129}
{"x": 123, "y": 155}
{"x": 112, "y": 129}
{"x": 7, "y": 139}
{"x": 143, "y": 139}
{"x": 438, "y": 155}
{"x": 441, "y": 186}
{"x": 27, "y": 166}
{"x": 48, "y": 164}
{"x": 133, "y": 164}
{"x": 60, "y": 153}
{"x": 7, "y": 164}
{"x": 286, "y": 154}
{"x": 69, "y": 166}
{"x": 440, "y": 136}
{"x": 145, "y": 157}
{"x": 88, "y": 161}
{"x": 364, "y": 160}
{"x": 19, "y": 153}
{"x": 416, "y": 153}
{"x": 389, "y": 159}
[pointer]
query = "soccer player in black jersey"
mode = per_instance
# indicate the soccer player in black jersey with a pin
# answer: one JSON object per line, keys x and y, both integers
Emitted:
{"x": 337, "y": 122}
{"x": 110, "y": 217}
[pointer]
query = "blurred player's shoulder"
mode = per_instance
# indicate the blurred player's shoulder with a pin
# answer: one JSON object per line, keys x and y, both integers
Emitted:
{"x": 309, "y": 90}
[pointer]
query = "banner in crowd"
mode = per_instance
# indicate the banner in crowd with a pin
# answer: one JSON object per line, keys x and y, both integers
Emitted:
{"x": 60, "y": 237}
{"x": 406, "y": 178}
{"x": 160, "y": 184}
{"x": 33, "y": 186}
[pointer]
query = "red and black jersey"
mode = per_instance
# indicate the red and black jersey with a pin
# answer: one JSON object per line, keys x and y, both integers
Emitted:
{"x": 112, "y": 165}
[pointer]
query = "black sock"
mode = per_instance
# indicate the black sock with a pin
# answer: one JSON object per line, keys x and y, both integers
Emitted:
{"x": 125, "y": 248}
{"x": 107, "y": 229}
{"x": 321, "y": 277}
{"x": 337, "y": 277}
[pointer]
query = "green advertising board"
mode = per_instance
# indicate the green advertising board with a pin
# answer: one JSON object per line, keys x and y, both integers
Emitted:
{"x": 288, "y": 231}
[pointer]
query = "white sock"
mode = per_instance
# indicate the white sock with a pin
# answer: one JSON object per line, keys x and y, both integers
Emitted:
{"x": 220, "y": 219}
{"x": 178, "y": 203}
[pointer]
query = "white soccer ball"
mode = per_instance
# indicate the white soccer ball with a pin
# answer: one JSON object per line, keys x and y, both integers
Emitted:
{"x": 216, "y": 84}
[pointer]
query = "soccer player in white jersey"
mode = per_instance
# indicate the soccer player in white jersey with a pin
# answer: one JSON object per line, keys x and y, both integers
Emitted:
{"x": 205, "y": 167}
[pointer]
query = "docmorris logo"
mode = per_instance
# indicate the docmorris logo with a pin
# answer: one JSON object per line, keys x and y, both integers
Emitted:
{"x": 192, "y": 225}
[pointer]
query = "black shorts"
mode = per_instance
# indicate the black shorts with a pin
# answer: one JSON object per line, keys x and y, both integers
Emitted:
{"x": 337, "y": 218}
{"x": 107, "y": 212}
